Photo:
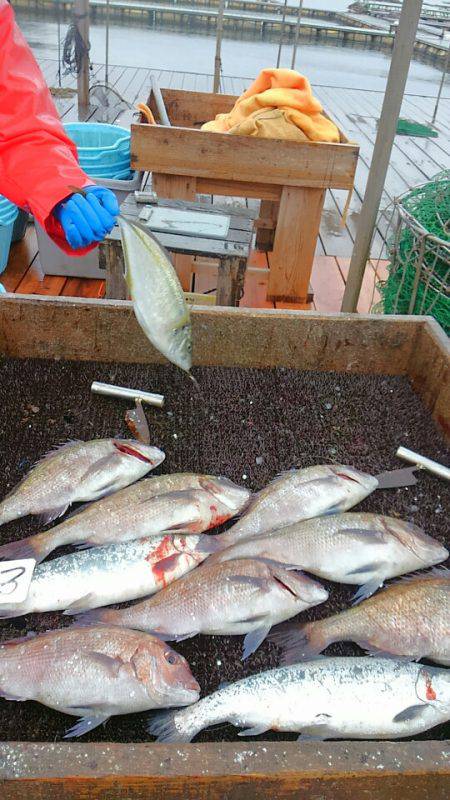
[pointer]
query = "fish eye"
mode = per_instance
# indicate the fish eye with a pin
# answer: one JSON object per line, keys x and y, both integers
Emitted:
{"x": 171, "y": 657}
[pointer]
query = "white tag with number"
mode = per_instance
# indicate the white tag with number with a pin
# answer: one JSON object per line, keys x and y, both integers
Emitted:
{"x": 15, "y": 579}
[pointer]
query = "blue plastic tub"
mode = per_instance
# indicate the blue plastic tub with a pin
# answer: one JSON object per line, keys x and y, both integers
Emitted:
{"x": 5, "y": 243}
{"x": 8, "y": 214}
{"x": 98, "y": 143}
{"x": 111, "y": 172}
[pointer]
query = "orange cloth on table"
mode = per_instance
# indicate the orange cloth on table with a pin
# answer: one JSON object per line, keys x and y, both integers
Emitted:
{"x": 286, "y": 91}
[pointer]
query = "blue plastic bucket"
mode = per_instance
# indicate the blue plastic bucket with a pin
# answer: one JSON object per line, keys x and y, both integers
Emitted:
{"x": 99, "y": 143}
{"x": 8, "y": 214}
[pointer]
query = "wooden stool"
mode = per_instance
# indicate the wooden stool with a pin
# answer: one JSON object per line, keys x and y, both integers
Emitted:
{"x": 231, "y": 252}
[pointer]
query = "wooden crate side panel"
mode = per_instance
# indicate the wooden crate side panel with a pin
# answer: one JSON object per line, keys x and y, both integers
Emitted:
{"x": 430, "y": 372}
{"x": 193, "y": 109}
{"x": 183, "y": 151}
{"x": 257, "y": 771}
{"x": 108, "y": 331}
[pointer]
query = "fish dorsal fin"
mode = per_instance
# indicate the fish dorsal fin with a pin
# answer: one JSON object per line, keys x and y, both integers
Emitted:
{"x": 439, "y": 572}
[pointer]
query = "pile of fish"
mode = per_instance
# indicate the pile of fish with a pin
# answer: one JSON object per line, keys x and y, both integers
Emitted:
{"x": 147, "y": 540}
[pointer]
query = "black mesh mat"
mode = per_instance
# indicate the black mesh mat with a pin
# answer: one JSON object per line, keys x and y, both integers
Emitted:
{"x": 243, "y": 422}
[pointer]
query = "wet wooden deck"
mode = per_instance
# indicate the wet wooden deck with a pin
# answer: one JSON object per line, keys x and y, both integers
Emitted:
{"x": 24, "y": 275}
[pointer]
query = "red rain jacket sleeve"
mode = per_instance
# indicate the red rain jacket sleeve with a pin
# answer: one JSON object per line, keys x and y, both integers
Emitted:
{"x": 38, "y": 163}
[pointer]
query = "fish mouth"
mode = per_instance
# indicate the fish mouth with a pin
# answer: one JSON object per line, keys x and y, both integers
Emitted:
{"x": 347, "y": 477}
{"x": 128, "y": 450}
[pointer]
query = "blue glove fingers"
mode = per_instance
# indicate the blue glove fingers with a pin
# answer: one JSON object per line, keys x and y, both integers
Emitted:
{"x": 72, "y": 235}
{"x": 92, "y": 217}
{"x": 71, "y": 217}
{"x": 107, "y": 198}
{"x": 108, "y": 220}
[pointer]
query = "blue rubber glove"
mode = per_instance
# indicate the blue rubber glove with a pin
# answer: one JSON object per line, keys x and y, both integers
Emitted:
{"x": 86, "y": 220}
{"x": 2, "y": 289}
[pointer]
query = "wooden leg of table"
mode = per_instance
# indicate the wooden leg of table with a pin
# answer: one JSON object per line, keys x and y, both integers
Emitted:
{"x": 177, "y": 187}
{"x": 268, "y": 214}
{"x": 230, "y": 281}
{"x": 295, "y": 244}
{"x": 110, "y": 257}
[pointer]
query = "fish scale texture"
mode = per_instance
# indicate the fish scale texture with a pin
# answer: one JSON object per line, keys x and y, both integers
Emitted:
{"x": 242, "y": 422}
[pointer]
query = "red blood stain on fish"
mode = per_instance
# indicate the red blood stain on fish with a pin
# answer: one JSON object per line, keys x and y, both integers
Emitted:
{"x": 129, "y": 451}
{"x": 430, "y": 693}
{"x": 216, "y": 517}
{"x": 162, "y": 560}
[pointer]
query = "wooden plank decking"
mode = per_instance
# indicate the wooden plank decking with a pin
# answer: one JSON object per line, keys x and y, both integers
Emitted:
{"x": 24, "y": 276}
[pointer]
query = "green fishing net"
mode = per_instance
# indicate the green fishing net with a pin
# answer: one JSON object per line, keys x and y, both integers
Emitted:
{"x": 419, "y": 254}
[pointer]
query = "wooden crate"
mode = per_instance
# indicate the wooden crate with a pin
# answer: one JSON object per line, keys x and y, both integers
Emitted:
{"x": 289, "y": 177}
{"x": 107, "y": 331}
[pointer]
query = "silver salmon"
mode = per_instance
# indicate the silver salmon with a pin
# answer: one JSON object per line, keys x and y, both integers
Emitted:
{"x": 95, "y": 673}
{"x": 410, "y": 618}
{"x": 78, "y": 472}
{"x": 301, "y": 494}
{"x": 361, "y": 549}
{"x": 181, "y": 502}
{"x": 110, "y": 574}
{"x": 158, "y": 299}
{"x": 239, "y": 597}
{"x": 332, "y": 698}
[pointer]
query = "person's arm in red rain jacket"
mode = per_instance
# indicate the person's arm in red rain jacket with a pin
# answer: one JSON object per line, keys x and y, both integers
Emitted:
{"x": 38, "y": 163}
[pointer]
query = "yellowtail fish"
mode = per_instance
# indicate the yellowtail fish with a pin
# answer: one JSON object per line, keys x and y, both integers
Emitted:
{"x": 78, "y": 472}
{"x": 95, "y": 673}
{"x": 158, "y": 299}
{"x": 330, "y": 698}
{"x": 410, "y": 619}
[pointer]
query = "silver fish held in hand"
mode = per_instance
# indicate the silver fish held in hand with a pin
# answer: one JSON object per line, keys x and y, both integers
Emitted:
{"x": 78, "y": 472}
{"x": 158, "y": 299}
{"x": 95, "y": 673}
{"x": 330, "y": 698}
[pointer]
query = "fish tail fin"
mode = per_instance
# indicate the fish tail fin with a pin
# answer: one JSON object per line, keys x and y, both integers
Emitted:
{"x": 178, "y": 726}
{"x": 299, "y": 642}
{"x": 97, "y": 616}
{"x": 36, "y": 547}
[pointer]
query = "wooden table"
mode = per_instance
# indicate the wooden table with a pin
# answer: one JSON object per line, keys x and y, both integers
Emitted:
{"x": 289, "y": 177}
{"x": 231, "y": 252}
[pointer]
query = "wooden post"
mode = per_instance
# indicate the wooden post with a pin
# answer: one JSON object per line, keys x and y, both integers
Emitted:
{"x": 268, "y": 212}
{"x": 177, "y": 187}
{"x": 110, "y": 255}
{"x": 441, "y": 85}
{"x": 81, "y": 15}
{"x": 283, "y": 23}
{"x": 295, "y": 244}
{"x": 401, "y": 57}
{"x": 297, "y": 34}
{"x": 230, "y": 281}
{"x": 218, "y": 59}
